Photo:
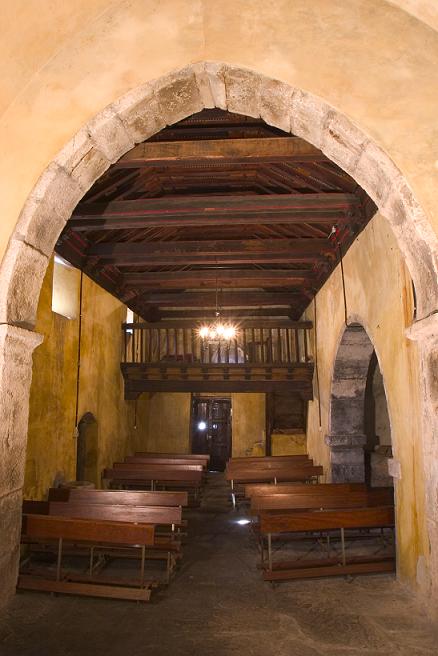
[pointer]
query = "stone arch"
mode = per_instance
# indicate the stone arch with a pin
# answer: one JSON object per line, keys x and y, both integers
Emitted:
{"x": 132, "y": 119}
{"x": 347, "y": 405}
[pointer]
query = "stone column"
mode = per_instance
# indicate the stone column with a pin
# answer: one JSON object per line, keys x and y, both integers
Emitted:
{"x": 425, "y": 333}
{"x": 347, "y": 458}
{"x": 16, "y": 347}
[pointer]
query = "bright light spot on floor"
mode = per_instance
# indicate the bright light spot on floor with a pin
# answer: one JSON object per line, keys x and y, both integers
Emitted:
{"x": 202, "y": 425}
{"x": 243, "y": 522}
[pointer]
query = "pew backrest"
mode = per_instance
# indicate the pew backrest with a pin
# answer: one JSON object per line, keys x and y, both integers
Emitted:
{"x": 203, "y": 457}
{"x": 265, "y": 459}
{"x": 148, "y": 474}
{"x": 119, "y": 497}
{"x": 272, "y": 521}
{"x": 360, "y": 498}
{"x": 332, "y": 489}
{"x": 114, "y": 513}
{"x": 157, "y": 467}
{"x": 172, "y": 462}
{"x": 258, "y": 475}
{"x": 46, "y": 527}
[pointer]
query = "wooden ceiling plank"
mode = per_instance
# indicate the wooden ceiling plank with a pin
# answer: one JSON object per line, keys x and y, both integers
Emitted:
{"x": 223, "y": 278}
{"x": 251, "y": 209}
{"x": 270, "y": 149}
{"x": 213, "y": 248}
{"x": 230, "y": 299}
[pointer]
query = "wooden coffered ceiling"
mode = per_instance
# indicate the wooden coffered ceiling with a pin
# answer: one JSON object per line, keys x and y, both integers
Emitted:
{"x": 217, "y": 200}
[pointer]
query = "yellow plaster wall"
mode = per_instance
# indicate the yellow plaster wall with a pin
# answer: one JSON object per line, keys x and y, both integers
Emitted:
{"x": 62, "y": 71}
{"x": 379, "y": 296}
{"x": 288, "y": 444}
{"x": 165, "y": 422}
{"x": 51, "y": 451}
{"x": 248, "y": 424}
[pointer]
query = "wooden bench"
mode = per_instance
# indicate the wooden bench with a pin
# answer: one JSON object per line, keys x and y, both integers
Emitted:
{"x": 89, "y": 533}
{"x": 197, "y": 457}
{"x": 167, "y": 544}
{"x": 141, "y": 476}
{"x": 323, "y": 521}
{"x": 119, "y": 497}
{"x": 165, "y": 461}
{"x": 158, "y": 466}
{"x": 290, "y": 473}
{"x": 265, "y": 459}
{"x": 299, "y": 488}
{"x": 322, "y": 499}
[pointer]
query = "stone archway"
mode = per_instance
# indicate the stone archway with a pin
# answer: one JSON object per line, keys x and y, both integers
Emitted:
{"x": 347, "y": 406}
{"x": 132, "y": 119}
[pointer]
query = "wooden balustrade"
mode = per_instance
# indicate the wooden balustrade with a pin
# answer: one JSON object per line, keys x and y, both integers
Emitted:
{"x": 262, "y": 345}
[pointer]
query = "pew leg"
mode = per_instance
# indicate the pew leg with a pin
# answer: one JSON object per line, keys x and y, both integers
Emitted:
{"x": 143, "y": 558}
{"x": 168, "y": 565}
{"x": 269, "y": 552}
{"x": 343, "y": 547}
{"x": 91, "y": 561}
{"x": 59, "y": 560}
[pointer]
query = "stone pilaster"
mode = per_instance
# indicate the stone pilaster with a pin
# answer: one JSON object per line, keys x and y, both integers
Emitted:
{"x": 347, "y": 458}
{"x": 16, "y": 347}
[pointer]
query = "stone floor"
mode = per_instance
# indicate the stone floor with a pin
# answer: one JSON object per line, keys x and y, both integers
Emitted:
{"x": 218, "y": 605}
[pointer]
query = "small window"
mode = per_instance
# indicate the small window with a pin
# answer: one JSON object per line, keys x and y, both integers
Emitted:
{"x": 65, "y": 290}
{"x": 129, "y": 319}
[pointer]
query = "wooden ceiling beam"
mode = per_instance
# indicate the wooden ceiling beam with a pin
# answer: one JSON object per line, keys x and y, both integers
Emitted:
{"x": 243, "y": 323}
{"x": 223, "y": 278}
{"x": 230, "y": 299}
{"x": 248, "y": 209}
{"x": 270, "y": 149}
{"x": 213, "y": 251}
{"x": 236, "y": 314}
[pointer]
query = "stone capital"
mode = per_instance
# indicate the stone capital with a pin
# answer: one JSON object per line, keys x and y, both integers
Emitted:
{"x": 345, "y": 441}
{"x": 424, "y": 329}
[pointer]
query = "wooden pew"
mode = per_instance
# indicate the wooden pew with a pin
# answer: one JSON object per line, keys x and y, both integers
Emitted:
{"x": 157, "y": 466}
{"x": 269, "y": 466}
{"x": 88, "y": 533}
{"x": 35, "y": 507}
{"x": 291, "y": 473}
{"x": 322, "y": 499}
{"x": 282, "y": 474}
{"x": 157, "y": 515}
{"x": 278, "y": 523}
{"x": 141, "y": 476}
{"x": 298, "y": 488}
{"x": 119, "y": 497}
{"x": 197, "y": 457}
{"x": 168, "y": 544}
{"x": 164, "y": 461}
{"x": 256, "y": 459}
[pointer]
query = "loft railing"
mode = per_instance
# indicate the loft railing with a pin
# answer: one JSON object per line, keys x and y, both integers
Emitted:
{"x": 262, "y": 345}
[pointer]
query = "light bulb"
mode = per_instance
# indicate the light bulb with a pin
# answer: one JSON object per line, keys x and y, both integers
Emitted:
{"x": 220, "y": 329}
{"x": 229, "y": 332}
{"x": 203, "y": 332}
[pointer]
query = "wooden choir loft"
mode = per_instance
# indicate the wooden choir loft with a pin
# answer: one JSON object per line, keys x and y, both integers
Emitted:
{"x": 218, "y": 215}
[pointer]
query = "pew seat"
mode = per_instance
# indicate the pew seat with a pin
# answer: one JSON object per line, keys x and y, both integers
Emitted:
{"x": 90, "y": 534}
{"x": 330, "y": 523}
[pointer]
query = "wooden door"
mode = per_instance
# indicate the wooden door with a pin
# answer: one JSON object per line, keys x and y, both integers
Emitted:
{"x": 211, "y": 430}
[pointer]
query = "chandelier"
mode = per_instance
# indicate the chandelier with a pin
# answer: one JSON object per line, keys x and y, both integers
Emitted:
{"x": 217, "y": 330}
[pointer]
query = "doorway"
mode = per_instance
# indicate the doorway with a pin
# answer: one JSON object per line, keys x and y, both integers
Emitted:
{"x": 86, "y": 450}
{"x": 211, "y": 429}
